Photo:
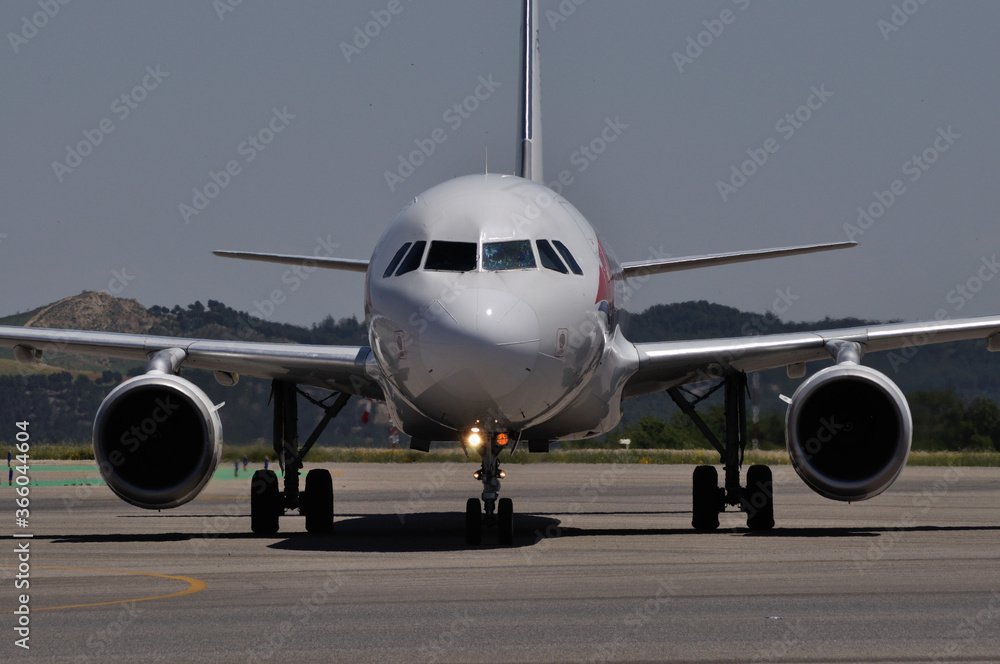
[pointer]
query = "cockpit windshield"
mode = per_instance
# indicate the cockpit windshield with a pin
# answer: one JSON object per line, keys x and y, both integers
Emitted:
{"x": 451, "y": 256}
{"x": 510, "y": 255}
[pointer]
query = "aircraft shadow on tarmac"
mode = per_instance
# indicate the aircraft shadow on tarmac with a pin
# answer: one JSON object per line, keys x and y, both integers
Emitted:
{"x": 445, "y": 531}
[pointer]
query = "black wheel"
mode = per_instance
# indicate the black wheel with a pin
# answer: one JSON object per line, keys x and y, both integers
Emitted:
{"x": 505, "y": 522}
{"x": 758, "y": 499}
{"x": 265, "y": 503}
{"x": 705, "y": 505}
{"x": 317, "y": 501}
{"x": 473, "y": 521}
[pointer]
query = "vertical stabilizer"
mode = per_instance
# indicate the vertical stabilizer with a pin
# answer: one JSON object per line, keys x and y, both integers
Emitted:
{"x": 529, "y": 153}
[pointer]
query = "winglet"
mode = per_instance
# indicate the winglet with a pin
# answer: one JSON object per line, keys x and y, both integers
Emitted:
{"x": 529, "y": 150}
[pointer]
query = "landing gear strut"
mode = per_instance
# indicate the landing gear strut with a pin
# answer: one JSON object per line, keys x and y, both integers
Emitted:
{"x": 267, "y": 502}
{"x": 756, "y": 499}
{"x": 498, "y": 511}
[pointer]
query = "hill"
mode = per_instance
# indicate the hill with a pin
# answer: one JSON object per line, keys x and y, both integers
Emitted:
{"x": 94, "y": 311}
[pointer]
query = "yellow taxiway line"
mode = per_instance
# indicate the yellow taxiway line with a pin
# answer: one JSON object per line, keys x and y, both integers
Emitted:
{"x": 194, "y": 586}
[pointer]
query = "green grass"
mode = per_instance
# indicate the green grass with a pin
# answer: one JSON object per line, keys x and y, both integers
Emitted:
{"x": 257, "y": 454}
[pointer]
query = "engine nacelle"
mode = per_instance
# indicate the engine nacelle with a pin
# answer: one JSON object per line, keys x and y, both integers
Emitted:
{"x": 157, "y": 440}
{"x": 848, "y": 431}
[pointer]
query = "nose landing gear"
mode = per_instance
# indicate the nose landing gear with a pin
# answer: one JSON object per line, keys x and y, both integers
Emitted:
{"x": 499, "y": 512}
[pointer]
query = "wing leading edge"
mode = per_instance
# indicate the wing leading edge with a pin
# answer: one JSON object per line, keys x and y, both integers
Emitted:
{"x": 669, "y": 363}
{"x": 341, "y": 368}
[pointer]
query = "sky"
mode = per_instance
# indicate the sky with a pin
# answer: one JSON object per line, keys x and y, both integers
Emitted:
{"x": 140, "y": 136}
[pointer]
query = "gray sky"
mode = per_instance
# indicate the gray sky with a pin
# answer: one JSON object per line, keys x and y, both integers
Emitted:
{"x": 887, "y": 92}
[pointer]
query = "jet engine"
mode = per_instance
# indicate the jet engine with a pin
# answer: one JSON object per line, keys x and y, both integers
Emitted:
{"x": 157, "y": 440}
{"x": 848, "y": 431}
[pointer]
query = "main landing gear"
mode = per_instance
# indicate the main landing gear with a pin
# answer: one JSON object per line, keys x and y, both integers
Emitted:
{"x": 756, "y": 499}
{"x": 267, "y": 501}
{"x": 498, "y": 512}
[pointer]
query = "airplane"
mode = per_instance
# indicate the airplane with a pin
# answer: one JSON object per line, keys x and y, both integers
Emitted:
{"x": 492, "y": 308}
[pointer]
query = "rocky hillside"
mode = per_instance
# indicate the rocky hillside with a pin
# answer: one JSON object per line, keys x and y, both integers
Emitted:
{"x": 95, "y": 311}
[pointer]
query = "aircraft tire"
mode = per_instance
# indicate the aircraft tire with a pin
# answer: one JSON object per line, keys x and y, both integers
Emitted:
{"x": 318, "y": 501}
{"x": 705, "y": 498}
{"x": 473, "y": 521}
{"x": 265, "y": 503}
{"x": 759, "y": 498}
{"x": 505, "y": 522}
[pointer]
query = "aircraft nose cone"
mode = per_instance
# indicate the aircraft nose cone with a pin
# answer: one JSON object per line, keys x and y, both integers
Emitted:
{"x": 484, "y": 345}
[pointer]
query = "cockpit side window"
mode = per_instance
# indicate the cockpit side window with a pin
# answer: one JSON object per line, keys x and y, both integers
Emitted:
{"x": 573, "y": 265}
{"x": 549, "y": 257}
{"x": 510, "y": 255}
{"x": 395, "y": 260}
{"x": 451, "y": 256}
{"x": 412, "y": 261}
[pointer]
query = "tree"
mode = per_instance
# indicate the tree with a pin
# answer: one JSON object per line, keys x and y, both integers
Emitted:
{"x": 938, "y": 420}
{"x": 982, "y": 416}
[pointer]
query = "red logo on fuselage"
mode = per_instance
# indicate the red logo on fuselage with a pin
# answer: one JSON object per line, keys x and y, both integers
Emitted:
{"x": 606, "y": 285}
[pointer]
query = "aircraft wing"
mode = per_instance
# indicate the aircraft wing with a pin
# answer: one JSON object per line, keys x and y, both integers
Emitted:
{"x": 666, "y": 364}
{"x": 339, "y": 368}
{"x": 632, "y": 269}
{"x": 347, "y": 264}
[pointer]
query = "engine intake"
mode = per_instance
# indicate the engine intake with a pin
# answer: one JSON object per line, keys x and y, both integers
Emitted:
{"x": 848, "y": 431}
{"x": 157, "y": 440}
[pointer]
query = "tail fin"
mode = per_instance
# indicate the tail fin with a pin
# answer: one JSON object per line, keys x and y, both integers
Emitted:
{"x": 529, "y": 153}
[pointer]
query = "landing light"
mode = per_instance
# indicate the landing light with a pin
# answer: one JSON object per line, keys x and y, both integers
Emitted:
{"x": 474, "y": 439}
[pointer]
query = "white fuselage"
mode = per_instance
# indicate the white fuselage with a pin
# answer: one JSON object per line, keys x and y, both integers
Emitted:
{"x": 500, "y": 319}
